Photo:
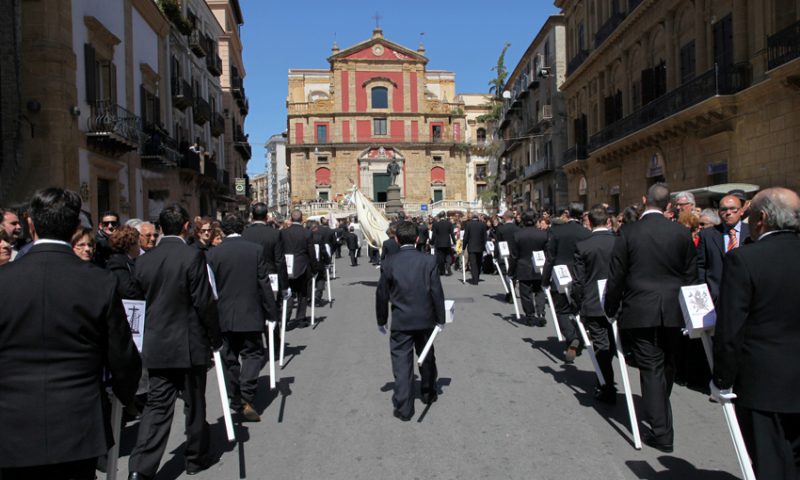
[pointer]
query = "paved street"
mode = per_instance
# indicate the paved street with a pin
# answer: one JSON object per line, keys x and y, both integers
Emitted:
{"x": 508, "y": 407}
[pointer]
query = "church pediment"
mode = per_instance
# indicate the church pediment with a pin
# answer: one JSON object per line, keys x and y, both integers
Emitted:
{"x": 378, "y": 49}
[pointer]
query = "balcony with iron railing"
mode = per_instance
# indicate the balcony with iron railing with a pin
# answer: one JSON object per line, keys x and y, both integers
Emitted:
{"x": 190, "y": 161}
{"x": 217, "y": 124}
{"x": 577, "y": 60}
{"x": 214, "y": 64}
{"x": 607, "y": 28}
{"x": 209, "y": 168}
{"x": 576, "y": 152}
{"x": 201, "y": 111}
{"x": 112, "y": 127}
{"x": 244, "y": 106}
{"x": 197, "y": 43}
{"x": 181, "y": 93}
{"x": 159, "y": 151}
{"x": 783, "y": 46}
{"x": 539, "y": 167}
{"x": 241, "y": 143}
{"x": 710, "y": 84}
{"x": 632, "y": 4}
{"x": 237, "y": 86}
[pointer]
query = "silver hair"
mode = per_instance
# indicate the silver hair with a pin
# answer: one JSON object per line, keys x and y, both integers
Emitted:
{"x": 134, "y": 222}
{"x": 689, "y": 196}
{"x": 712, "y": 215}
{"x": 781, "y": 215}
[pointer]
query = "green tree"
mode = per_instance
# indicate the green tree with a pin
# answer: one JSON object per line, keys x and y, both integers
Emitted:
{"x": 496, "y": 84}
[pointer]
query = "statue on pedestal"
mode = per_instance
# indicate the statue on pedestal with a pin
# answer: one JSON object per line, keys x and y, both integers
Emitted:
{"x": 393, "y": 169}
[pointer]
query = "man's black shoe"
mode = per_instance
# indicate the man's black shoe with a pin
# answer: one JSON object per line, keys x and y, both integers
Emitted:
{"x": 138, "y": 476}
{"x": 606, "y": 395}
{"x": 427, "y": 398}
{"x": 650, "y": 441}
{"x": 540, "y": 321}
{"x": 401, "y": 417}
{"x": 201, "y": 465}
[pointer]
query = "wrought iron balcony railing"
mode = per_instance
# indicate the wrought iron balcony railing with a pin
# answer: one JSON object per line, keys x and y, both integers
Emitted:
{"x": 576, "y": 152}
{"x": 113, "y": 126}
{"x": 201, "y": 111}
{"x": 214, "y": 64}
{"x": 783, "y": 46}
{"x": 217, "y": 124}
{"x": 182, "y": 96}
{"x": 608, "y": 28}
{"x": 160, "y": 151}
{"x": 577, "y": 60}
{"x": 197, "y": 43}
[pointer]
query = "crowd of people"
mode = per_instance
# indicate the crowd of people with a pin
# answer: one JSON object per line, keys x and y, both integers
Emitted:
{"x": 210, "y": 285}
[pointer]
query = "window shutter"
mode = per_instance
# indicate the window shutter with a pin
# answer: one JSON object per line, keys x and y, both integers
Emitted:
{"x": 89, "y": 73}
{"x": 143, "y": 105}
{"x": 647, "y": 85}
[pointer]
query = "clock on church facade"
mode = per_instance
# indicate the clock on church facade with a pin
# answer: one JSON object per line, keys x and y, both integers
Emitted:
{"x": 376, "y": 103}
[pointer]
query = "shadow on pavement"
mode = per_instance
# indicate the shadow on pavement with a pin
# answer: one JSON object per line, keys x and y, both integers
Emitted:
{"x": 676, "y": 469}
{"x": 500, "y": 297}
{"x": 285, "y": 389}
{"x": 509, "y": 319}
{"x": 366, "y": 283}
{"x": 175, "y": 466}
{"x": 551, "y": 348}
{"x": 292, "y": 352}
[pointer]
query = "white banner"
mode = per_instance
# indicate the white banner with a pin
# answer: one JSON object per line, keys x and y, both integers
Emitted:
{"x": 135, "y": 309}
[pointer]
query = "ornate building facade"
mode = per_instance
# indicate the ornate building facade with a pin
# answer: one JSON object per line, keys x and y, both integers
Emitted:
{"x": 696, "y": 93}
{"x": 377, "y": 102}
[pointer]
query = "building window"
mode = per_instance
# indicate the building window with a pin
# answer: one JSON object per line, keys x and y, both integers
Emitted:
{"x": 322, "y": 159}
{"x": 687, "y": 62}
{"x": 438, "y": 195}
{"x": 437, "y": 159}
{"x": 380, "y": 97}
{"x": 103, "y": 195}
{"x": 323, "y": 195}
{"x": 101, "y": 77}
{"x": 481, "y": 135}
{"x": 322, "y": 133}
{"x": 436, "y": 133}
{"x": 379, "y": 126}
{"x": 150, "y": 109}
{"x": 480, "y": 173}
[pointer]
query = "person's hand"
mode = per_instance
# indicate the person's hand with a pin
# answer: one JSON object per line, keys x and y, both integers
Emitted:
{"x": 382, "y": 329}
{"x": 721, "y": 396}
{"x": 441, "y": 326}
{"x": 216, "y": 343}
{"x": 286, "y": 294}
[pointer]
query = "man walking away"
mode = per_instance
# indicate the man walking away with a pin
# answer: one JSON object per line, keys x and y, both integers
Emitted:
{"x": 297, "y": 241}
{"x": 592, "y": 257}
{"x": 652, "y": 259}
{"x": 442, "y": 240}
{"x": 410, "y": 281}
{"x": 65, "y": 325}
{"x": 527, "y": 240}
{"x": 246, "y": 301}
{"x": 182, "y": 325}
{"x": 475, "y": 243}
{"x": 352, "y": 246}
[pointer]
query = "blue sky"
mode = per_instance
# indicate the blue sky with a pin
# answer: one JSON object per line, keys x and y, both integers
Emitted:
{"x": 465, "y": 37}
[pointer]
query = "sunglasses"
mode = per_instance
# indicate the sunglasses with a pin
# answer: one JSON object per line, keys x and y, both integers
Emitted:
{"x": 110, "y": 224}
{"x": 206, "y": 230}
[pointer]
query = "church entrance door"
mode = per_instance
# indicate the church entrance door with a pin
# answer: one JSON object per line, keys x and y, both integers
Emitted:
{"x": 380, "y": 182}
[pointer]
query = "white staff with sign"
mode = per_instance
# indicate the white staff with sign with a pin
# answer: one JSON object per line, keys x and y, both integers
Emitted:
{"x": 505, "y": 253}
{"x": 450, "y": 312}
{"x": 223, "y": 391}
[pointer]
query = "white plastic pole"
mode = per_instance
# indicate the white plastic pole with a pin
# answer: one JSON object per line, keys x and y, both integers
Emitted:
{"x": 223, "y": 396}
{"x": 464, "y": 266}
{"x": 500, "y": 272}
{"x": 512, "y": 290}
{"x": 328, "y": 278}
{"x": 590, "y": 349}
{"x": 313, "y": 297}
{"x": 730, "y": 419}
{"x": 428, "y": 345}
{"x": 553, "y": 313}
{"x": 283, "y": 328}
{"x": 626, "y": 385}
{"x": 334, "y": 267}
{"x": 271, "y": 339}
{"x": 116, "y": 426}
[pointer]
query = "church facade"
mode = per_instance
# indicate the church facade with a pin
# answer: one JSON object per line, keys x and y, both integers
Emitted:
{"x": 376, "y": 103}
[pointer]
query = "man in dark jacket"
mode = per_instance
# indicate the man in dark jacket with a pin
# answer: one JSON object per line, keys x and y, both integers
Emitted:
{"x": 269, "y": 238}
{"x": 390, "y": 245}
{"x": 652, "y": 259}
{"x": 715, "y": 242}
{"x": 246, "y": 301}
{"x": 352, "y": 246}
{"x": 527, "y": 240}
{"x": 561, "y": 251}
{"x": 181, "y": 326}
{"x": 505, "y": 233}
{"x": 65, "y": 325}
{"x": 757, "y": 335}
{"x": 297, "y": 242}
{"x": 109, "y": 222}
{"x": 410, "y": 281}
{"x": 474, "y": 243}
{"x": 422, "y": 234}
{"x": 592, "y": 257}
{"x": 442, "y": 240}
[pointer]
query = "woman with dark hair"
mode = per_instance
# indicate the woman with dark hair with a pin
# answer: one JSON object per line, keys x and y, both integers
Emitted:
{"x": 203, "y": 233}
{"x": 124, "y": 243}
{"x": 83, "y": 243}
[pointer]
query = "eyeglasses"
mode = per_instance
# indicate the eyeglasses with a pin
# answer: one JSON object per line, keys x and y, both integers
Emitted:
{"x": 149, "y": 235}
{"x": 682, "y": 204}
{"x": 206, "y": 229}
{"x": 704, "y": 224}
{"x": 728, "y": 209}
{"x": 112, "y": 223}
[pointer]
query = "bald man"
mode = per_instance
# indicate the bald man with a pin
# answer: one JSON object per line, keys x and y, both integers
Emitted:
{"x": 717, "y": 241}
{"x": 758, "y": 333}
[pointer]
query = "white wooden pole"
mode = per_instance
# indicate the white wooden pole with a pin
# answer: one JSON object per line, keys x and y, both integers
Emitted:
{"x": 464, "y": 266}
{"x": 271, "y": 339}
{"x": 626, "y": 385}
{"x": 500, "y": 272}
{"x": 223, "y": 396}
{"x": 553, "y": 313}
{"x": 116, "y": 427}
{"x": 328, "y": 278}
{"x": 590, "y": 349}
{"x": 283, "y": 328}
{"x": 512, "y": 290}
{"x": 428, "y": 345}
{"x": 730, "y": 419}
{"x": 313, "y": 297}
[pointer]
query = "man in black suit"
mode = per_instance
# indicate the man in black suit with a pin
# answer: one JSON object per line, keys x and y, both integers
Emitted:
{"x": 390, "y": 245}
{"x": 757, "y": 335}
{"x": 715, "y": 242}
{"x": 475, "y": 243}
{"x": 527, "y": 240}
{"x": 352, "y": 246}
{"x": 297, "y": 242}
{"x": 417, "y": 306}
{"x": 246, "y": 301}
{"x": 181, "y": 326}
{"x": 505, "y": 233}
{"x": 561, "y": 251}
{"x": 442, "y": 240}
{"x": 109, "y": 222}
{"x": 422, "y": 234}
{"x": 269, "y": 238}
{"x": 321, "y": 238}
{"x": 65, "y": 325}
{"x": 592, "y": 258}
{"x": 652, "y": 259}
